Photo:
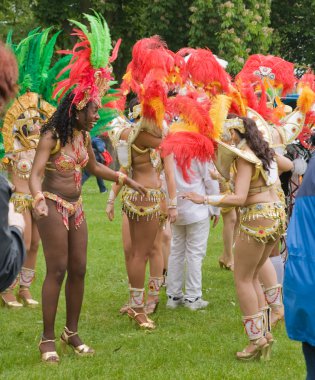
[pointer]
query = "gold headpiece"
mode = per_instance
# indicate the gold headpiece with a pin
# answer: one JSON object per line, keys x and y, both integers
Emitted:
{"x": 236, "y": 123}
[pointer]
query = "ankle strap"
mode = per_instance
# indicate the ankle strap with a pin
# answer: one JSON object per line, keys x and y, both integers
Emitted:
{"x": 44, "y": 340}
{"x": 69, "y": 333}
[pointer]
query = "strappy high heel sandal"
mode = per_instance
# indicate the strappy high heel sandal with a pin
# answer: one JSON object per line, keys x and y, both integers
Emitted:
{"x": 266, "y": 310}
{"x": 7, "y": 297}
{"x": 49, "y": 357}
{"x": 154, "y": 286}
{"x": 254, "y": 328}
{"x": 224, "y": 265}
{"x": 25, "y": 297}
{"x": 260, "y": 351}
{"x": 145, "y": 325}
{"x": 81, "y": 350}
{"x": 27, "y": 277}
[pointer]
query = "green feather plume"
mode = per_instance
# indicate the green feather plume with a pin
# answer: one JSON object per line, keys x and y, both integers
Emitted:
{"x": 99, "y": 38}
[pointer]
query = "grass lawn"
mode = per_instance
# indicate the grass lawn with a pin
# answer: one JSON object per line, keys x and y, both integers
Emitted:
{"x": 185, "y": 345}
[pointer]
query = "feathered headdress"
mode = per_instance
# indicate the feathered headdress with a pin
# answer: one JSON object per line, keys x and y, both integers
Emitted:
{"x": 271, "y": 72}
{"x": 36, "y": 78}
{"x": 191, "y": 132}
{"x": 90, "y": 71}
{"x": 205, "y": 71}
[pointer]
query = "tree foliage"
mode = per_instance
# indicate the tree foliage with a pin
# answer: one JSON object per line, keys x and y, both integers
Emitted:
{"x": 294, "y": 38}
{"x": 232, "y": 29}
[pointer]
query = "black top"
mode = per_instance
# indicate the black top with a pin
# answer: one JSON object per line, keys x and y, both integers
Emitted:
{"x": 12, "y": 250}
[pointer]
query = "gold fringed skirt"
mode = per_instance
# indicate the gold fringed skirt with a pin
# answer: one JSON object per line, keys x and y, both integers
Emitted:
{"x": 136, "y": 205}
{"x": 263, "y": 221}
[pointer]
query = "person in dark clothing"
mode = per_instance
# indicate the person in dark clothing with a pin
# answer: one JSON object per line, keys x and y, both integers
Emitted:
{"x": 99, "y": 147}
{"x": 12, "y": 250}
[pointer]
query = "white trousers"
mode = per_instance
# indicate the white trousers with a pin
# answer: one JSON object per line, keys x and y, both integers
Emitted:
{"x": 189, "y": 246}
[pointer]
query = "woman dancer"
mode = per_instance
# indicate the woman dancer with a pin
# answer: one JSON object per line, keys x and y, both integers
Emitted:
{"x": 20, "y": 131}
{"x": 63, "y": 150}
{"x": 143, "y": 213}
{"x": 261, "y": 223}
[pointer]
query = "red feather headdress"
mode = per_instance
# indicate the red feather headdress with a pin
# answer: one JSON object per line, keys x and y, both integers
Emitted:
{"x": 271, "y": 72}
{"x": 90, "y": 72}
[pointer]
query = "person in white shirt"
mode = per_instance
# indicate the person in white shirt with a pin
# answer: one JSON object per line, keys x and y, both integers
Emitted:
{"x": 189, "y": 237}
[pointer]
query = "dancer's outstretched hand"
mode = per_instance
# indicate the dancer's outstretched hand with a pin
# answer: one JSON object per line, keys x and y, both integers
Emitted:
{"x": 194, "y": 197}
{"x": 136, "y": 186}
{"x": 110, "y": 211}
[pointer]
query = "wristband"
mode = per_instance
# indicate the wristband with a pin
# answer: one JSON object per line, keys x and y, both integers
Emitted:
{"x": 172, "y": 203}
{"x": 112, "y": 197}
{"x": 121, "y": 178}
{"x": 213, "y": 200}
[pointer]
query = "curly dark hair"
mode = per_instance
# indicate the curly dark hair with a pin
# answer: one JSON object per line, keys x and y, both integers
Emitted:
{"x": 255, "y": 140}
{"x": 63, "y": 120}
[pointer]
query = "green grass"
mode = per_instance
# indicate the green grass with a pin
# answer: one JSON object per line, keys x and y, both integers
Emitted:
{"x": 185, "y": 345}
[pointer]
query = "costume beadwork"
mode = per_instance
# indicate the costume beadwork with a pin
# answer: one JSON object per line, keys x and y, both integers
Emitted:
{"x": 273, "y": 211}
{"x": 21, "y": 201}
{"x": 130, "y": 197}
{"x": 67, "y": 209}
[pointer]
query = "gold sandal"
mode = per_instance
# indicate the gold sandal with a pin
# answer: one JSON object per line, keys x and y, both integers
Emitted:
{"x": 148, "y": 325}
{"x": 25, "y": 297}
{"x": 260, "y": 351}
{"x": 224, "y": 265}
{"x": 81, "y": 350}
{"x": 49, "y": 357}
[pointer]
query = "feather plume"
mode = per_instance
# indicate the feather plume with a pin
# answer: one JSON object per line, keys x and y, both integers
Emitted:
{"x": 89, "y": 71}
{"x": 269, "y": 71}
{"x": 187, "y": 146}
{"x": 306, "y": 99}
{"x": 219, "y": 110}
{"x": 204, "y": 70}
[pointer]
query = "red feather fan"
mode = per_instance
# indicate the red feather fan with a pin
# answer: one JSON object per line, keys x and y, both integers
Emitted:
{"x": 205, "y": 70}
{"x": 187, "y": 146}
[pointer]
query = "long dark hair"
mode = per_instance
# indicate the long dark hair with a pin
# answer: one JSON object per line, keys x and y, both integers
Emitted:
{"x": 255, "y": 140}
{"x": 63, "y": 120}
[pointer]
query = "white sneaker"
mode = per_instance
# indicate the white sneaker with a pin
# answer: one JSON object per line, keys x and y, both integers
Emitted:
{"x": 199, "y": 303}
{"x": 174, "y": 302}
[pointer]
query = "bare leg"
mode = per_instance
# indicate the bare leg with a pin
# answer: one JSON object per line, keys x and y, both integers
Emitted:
{"x": 143, "y": 234}
{"x": 250, "y": 255}
{"x": 268, "y": 275}
{"x": 229, "y": 222}
{"x": 74, "y": 289}
{"x": 166, "y": 243}
{"x": 54, "y": 237}
{"x": 28, "y": 271}
{"x": 156, "y": 273}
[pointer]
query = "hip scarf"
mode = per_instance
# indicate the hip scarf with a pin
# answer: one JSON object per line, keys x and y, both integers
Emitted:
{"x": 22, "y": 202}
{"x": 132, "y": 203}
{"x": 263, "y": 221}
{"x": 67, "y": 209}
